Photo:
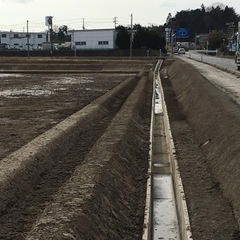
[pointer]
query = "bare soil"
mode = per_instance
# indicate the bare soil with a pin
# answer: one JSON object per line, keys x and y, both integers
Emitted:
{"x": 205, "y": 124}
{"x": 109, "y": 190}
{"x": 33, "y": 103}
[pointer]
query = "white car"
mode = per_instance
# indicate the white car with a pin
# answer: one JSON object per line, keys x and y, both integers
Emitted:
{"x": 181, "y": 51}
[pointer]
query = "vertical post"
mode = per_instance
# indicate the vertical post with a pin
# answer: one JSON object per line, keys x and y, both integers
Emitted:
{"x": 148, "y": 53}
{"x": 131, "y": 37}
{"x": 27, "y": 40}
{"x": 73, "y": 43}
{"x": 50, "y": 24}
{"x": 83, "y": 27}
{"x": 115, "y": 22}
{"x": 171, "y": 42}
{"x": 195, "y": 41}
{"x": 238, "y": 37}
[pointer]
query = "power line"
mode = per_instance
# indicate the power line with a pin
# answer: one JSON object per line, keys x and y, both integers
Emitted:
{"x": 38, "y": 24}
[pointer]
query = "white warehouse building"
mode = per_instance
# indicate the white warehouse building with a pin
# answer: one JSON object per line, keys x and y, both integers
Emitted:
{"x": 98, "y": 39}
{"x": 19, "y": 40}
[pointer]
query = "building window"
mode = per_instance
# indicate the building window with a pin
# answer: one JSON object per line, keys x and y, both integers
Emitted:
{"x": 15, "y": 35}
{"x": 40, "y": 36}
{"x": 28, "y": 35}
{"x": 102, "y": 42}
{"x": 80, "y": 43}
{"x": 4, "y": 35}
{"x": 15, "y": 44}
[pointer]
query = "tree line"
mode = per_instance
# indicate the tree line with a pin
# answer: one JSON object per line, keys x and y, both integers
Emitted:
{"x": 203, "y": 20}
{"x": 216, "y": 21}
{"x": 142, "y": 37}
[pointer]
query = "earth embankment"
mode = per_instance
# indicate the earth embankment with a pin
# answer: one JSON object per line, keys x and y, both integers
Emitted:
{"x": 205, "y": 124}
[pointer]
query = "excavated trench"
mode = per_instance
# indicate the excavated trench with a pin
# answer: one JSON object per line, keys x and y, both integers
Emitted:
{"x": 205, "y": 123}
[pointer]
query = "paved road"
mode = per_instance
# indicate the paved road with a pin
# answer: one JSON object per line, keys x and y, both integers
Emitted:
{"x": 228, "y": 63}
{"x": 229, "y": 82}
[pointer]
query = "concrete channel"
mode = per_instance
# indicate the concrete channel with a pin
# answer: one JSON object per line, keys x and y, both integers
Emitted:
{"x": 166, "y": 214}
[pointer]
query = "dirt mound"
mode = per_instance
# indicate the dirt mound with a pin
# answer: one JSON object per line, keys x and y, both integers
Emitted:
{"x": 108, "y": 190}
{"x": 205, "y": 124}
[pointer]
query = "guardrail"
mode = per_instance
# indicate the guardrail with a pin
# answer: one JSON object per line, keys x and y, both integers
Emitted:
{"x": 208, "y": 52}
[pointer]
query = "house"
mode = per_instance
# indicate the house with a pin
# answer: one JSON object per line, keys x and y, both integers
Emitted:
{"x": 97, "y": 39}
{"x": 20, "y": 40}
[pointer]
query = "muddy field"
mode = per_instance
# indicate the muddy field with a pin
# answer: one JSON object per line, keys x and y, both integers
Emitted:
{"x": 204, "y": 123}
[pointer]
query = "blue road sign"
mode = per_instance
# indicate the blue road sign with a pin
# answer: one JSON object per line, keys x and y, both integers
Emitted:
{"x": 182, "y": 33}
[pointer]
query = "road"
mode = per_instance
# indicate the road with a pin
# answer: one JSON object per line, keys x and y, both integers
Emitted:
{"x": 217, "y": 61}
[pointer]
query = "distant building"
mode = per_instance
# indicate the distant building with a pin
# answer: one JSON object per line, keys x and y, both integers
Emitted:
{"x": 19, "y": 40}
{"x": 98, "y": 39}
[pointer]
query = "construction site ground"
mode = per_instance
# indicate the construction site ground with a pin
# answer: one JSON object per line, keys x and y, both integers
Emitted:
{"x": 96, "y": 190}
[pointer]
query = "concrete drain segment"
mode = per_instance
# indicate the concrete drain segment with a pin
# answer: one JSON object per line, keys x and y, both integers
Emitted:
{"x": 166, "y": 215}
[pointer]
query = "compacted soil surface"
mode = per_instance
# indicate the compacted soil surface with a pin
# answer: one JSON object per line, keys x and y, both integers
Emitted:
{"x": 205, "y": 123}
{"x": 88, "y": 179}
{"x": 92, "y": 184}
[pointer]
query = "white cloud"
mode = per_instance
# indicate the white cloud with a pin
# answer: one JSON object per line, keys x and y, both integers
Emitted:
{"x": 18, "y": 1}
{"x": 168, "y": 4}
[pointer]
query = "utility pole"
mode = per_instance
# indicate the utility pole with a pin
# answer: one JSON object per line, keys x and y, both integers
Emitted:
{"x": 115, "y": 21}
{"x": 27, "y": 40}
{"x": 238, "y": 36}
{"x": 131, "y": 36}
{"x": 83, "y": 27}
{"x": 49, "y": 23}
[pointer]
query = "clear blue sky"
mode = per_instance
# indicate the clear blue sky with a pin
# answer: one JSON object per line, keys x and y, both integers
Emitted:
{"x": 94, "y": 14}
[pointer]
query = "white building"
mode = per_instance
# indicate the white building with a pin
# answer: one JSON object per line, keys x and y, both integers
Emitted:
{"x": 98, "y": 39}
{"x": 19, "y": 40}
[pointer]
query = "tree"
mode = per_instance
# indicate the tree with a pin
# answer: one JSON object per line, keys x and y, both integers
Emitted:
{"x": 63, "y": 34}
{"x": 123, "y": 38}
{"x": 148, "y": 38}
{"x": 216, "y": 39}
{"x": 204, "y": 19}
{"x": 144, "y": 37}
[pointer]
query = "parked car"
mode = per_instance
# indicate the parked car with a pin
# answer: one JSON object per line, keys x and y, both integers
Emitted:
{"x": 181, "y": 51}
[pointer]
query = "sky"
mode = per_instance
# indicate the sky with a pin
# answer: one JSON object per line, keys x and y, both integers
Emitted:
{"x": 93, "y": 14}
